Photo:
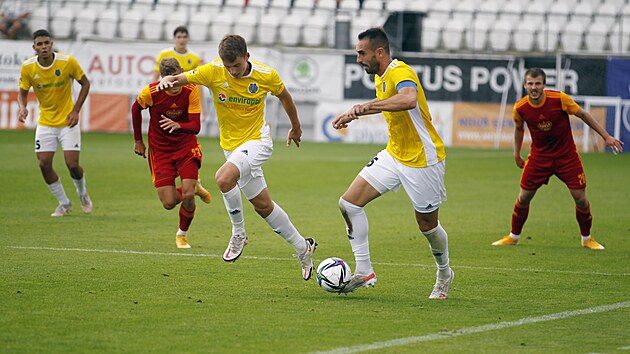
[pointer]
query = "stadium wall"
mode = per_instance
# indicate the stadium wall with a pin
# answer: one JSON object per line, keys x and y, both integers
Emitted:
{"x": 470, "y": 97}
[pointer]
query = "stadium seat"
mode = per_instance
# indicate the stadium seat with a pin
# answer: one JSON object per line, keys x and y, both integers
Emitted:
{"x": 464, "y": 11}
{"x": 120, "y": 5}
{"x": 582, "y": 13}
{"x": 175, "y": 19}
{"x": 153, "y": 25}
{"x": 453, "y": 34}
{"x": 358, "y": 25}
{"x": 62, "y": 22}
{"x": 396, "y": 5}
{"x": 620, "y": 38}
{"x": 220, "y": 26}
{"x": 441, "y": 11}
{"x": 166, "y": 5}
{"x": 511, "y": 11}
{"x": 245, "y": 26}
{"x": 352, "y": 6}
{"x": 130, "y": 22}
{"x": 488, "y": 12}
{"x": 477, "y": 35}
{"x": 198, "y": 26}
{"x": 38, "y": 19}
{"x": 74, "y": 5}
{"x": 326, "y": 4}
{"x": 431, "y": 32}
{"x": 373, "y": 5}
{"x": 290, "y": 31}
{"x": 279, "y": 7}
{"x": 107, "y": 24}
{"x": 571, "y": 37}
{"x": 558, "y": 13}
{"x": 97, "y": 5}
{"x": 84, "y": 22}
{"x": 500, "y": 35}
{"x": 524, "y": 36}
{"x": 547, "y": 36}
{"x": 268, "y": 29}
{"x": 142, "y": 6}
{"x": 315, "y": 31}
{"x": 595, "y": 37}
{"x": 606, "y": 14}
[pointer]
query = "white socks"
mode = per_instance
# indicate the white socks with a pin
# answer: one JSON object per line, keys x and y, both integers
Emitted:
{"x": 438, "y": 241}
{"x": 79, "y": 185}
{"x": 56, "y": 188}
{"x": 234, "y": 205}
{"x": 280, "y": 223}
{"x": 516, "y": 237}
{"x": 181, "y": 232}
{"x": 357, "y": 229}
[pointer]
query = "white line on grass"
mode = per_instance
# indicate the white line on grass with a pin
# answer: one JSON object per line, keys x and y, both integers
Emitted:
{"x": 473, "y": 330}
{"x": 532, "y": 270}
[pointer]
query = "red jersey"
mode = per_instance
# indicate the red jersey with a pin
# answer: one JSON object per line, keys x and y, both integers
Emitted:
{"x": 548, "y": 123}
{"x": 182, "y": 107}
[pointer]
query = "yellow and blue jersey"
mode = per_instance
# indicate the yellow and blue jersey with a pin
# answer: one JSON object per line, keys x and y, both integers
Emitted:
{"x": 239, "y": 103}
{"x": 52, "y": 86}
{"x": 187, "y": 61}
{"x": 413, "y": 139}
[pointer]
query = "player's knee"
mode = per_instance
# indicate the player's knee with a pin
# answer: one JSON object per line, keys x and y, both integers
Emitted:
{"x": 169, "y": 204}
{"x": 188, "y": 194}
{"x": 224, "y": 182}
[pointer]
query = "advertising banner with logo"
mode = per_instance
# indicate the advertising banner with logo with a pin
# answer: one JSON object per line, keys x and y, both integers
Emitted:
{"x": 480, "y": 125}
{"x": 372, "y": 128}
{"x": 312, "y": 77}
{"x": 483, "y": 80}
{"x": 619, "y": 86}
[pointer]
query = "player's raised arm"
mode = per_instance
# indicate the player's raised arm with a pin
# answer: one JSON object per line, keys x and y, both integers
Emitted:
{"x": 172, "y": 81}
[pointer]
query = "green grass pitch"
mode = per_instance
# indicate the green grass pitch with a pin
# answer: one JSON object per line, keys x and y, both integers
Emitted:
{"x": 113, "y": 281}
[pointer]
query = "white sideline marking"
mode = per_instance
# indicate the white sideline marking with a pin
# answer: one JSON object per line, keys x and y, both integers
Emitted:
{"x": 473, "y": 330}
{"x": 176, "y": 254}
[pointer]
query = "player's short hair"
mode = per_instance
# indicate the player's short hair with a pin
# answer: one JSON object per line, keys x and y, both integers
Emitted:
{"x": 41, "y": 33}
{"x": 231, "y": 47}
{"x": 180, "y": 29}
{"x": 169, "y": 66}
{"x": 376, "y": 37}
{"x": 536, "y": 72}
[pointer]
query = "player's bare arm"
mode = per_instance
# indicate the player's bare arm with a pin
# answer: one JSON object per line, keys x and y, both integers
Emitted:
{"x": 73, "y": 116}
{"x": 295, "y": 133}
{"x": 172, "y": 81}
{"x": 405, "y": 99}
{"x": 614, "y": 144}
{"x": 139, "y": 148}
{"x": 362, "y": 109}
{"x": 519, "y": 133}
{"x": 22, "y": 111}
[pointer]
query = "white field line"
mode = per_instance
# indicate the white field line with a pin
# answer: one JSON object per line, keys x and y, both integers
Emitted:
{"x": 176, "y": 254}
{"x": 473, "y": 330}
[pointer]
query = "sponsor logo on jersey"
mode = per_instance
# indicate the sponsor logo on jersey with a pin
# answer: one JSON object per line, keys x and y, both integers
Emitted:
{"x": 222, "y": 97}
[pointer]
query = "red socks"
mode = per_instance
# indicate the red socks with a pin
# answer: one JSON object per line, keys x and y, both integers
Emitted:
{"x": 584, "y": 219}
{"x": 185, "y": 217}
{"x": 519, "y": 216}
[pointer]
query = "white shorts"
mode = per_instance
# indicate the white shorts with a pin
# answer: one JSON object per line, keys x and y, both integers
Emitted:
{"x": 249, "y": 158}
{"x": 424, "y": 185}
{"x": 47, "y": 138}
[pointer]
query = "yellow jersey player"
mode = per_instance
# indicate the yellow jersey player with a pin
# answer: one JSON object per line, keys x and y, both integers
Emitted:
{"x": 239, "y": 88}
{"x": 51, "y": 75}
{"x": 414, "y": 159}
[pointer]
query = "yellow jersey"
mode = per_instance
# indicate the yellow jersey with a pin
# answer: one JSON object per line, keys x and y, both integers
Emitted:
{"x": 239, "y": 103}
{"x": 413, "y": 139}
{"x": 52, "y": 86}
{"x": 187, "y": 61}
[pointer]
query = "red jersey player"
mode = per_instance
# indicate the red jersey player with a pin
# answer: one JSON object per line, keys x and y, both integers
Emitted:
{"x": 173, "y": 148}
{"x": 553, "y": 152}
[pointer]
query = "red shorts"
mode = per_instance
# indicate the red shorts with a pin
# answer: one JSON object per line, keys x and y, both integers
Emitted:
{"x": 568, "y": 168}
{"x": 167, "y": 165}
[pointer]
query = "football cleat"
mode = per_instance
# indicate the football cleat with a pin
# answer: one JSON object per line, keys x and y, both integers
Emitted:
{"x": 506, "y": 241}
{"x": 203, "y": 193}
{"x": 235, "y": 248}
{"x": 306, "y": 259}
{"x": 181, "y": 241}
{"x": 62, "y": 210}
{"x": 590, "y": 243}
{"x": 441, "y": 287}
{"x": 359, "y": 281}
{"x": 86, "y": 203}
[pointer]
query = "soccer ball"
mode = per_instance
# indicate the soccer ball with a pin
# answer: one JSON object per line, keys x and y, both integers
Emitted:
{"x": 333, "y": 273}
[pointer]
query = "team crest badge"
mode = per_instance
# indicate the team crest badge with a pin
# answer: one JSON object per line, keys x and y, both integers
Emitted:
{"x": 253, "y": 88}
{"x": 57, "y": 72}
